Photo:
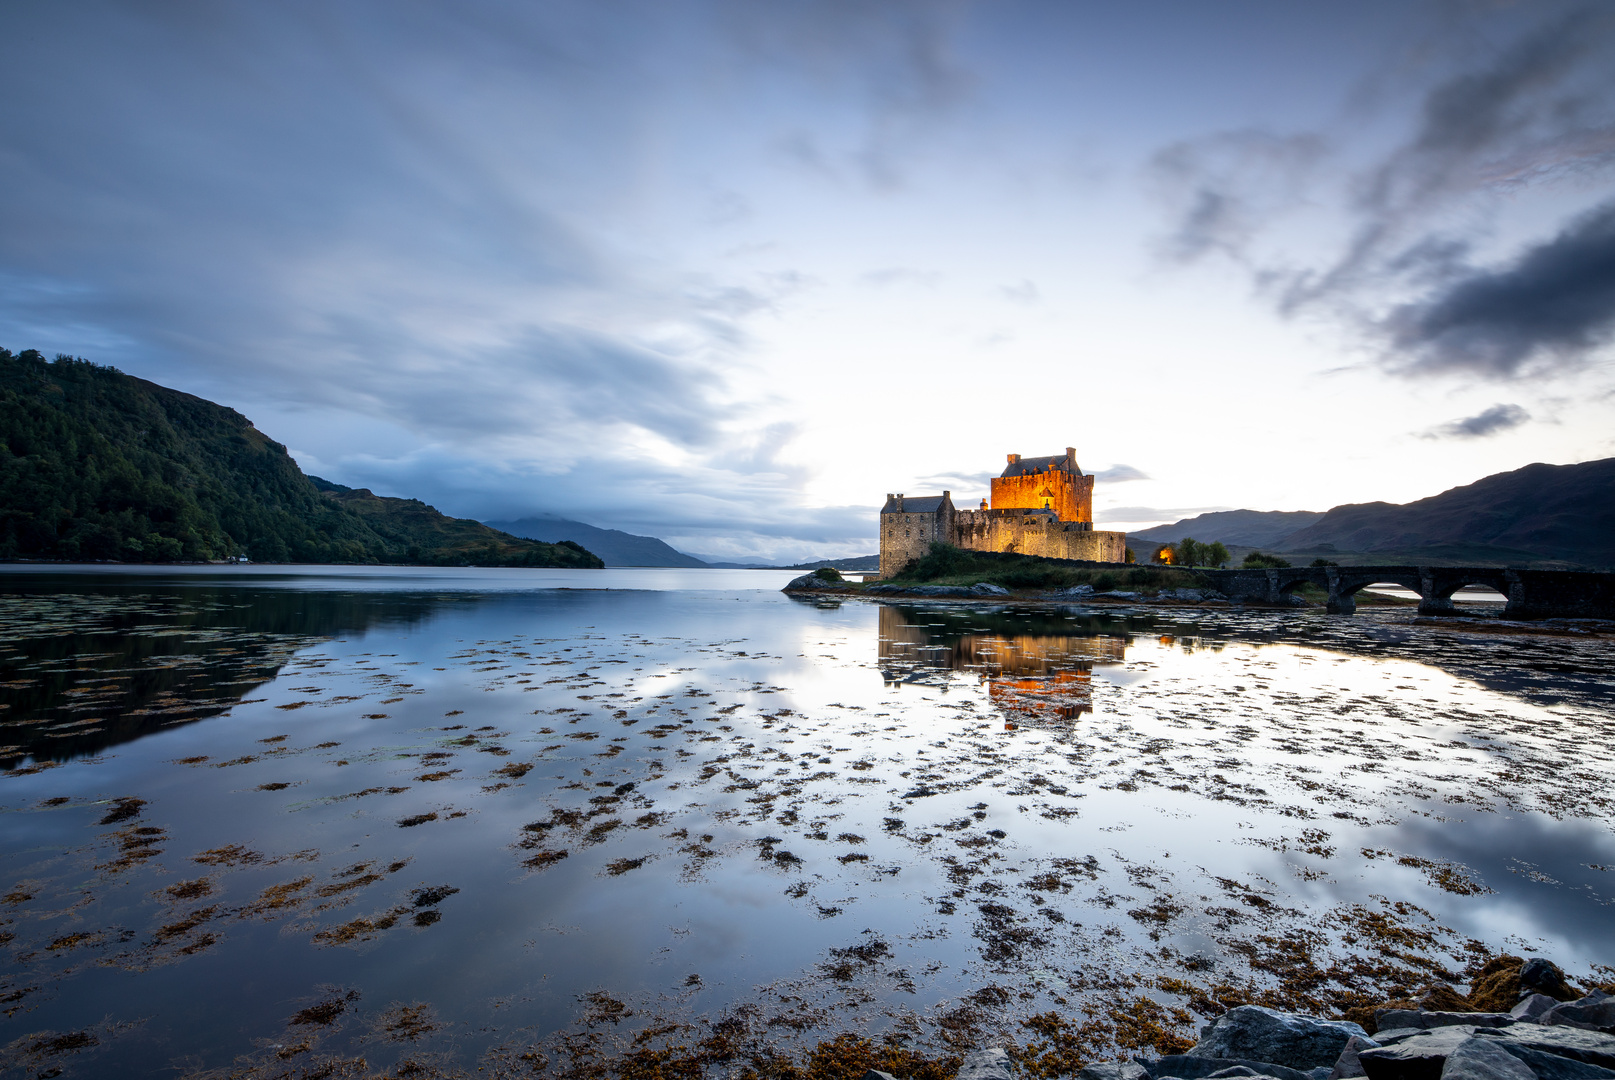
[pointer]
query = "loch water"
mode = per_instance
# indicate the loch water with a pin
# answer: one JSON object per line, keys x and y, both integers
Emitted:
{"x": 254, "y": 815}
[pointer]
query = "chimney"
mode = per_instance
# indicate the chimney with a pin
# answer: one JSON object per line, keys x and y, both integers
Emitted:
{"x": 1071, "y": 454}
{"x": 1014, "y": 459}
{"x": 899, "y": 502}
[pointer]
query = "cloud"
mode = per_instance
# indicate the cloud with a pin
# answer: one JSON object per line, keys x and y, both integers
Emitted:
{"x": 1522, "y": 116}
{"x": 427, "y": 224}
{"x": 1223, "y": 189}
{"x": 1023, "y": 292}
{"x": 1554, "y": 304}
{"x": 1118, "y": 474}
{"x": 1493, "y": 421}
{"x": 893, "y": 65}
{"x": 1537, "y": 112}
{"x": 1134, "y": 515}
{"x": 902, "y": 275}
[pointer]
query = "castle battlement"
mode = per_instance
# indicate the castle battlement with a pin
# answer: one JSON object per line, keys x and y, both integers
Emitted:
{"x": 1040, "y": 506}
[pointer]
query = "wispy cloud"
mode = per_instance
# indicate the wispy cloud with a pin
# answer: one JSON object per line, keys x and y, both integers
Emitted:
{"x": 902, "y": 275}
{"x": 1022, "y": 292}
{"x": 1492, "y": 421}
{"x": 1538, "y": 111}
{"x": 1118, "y": 474}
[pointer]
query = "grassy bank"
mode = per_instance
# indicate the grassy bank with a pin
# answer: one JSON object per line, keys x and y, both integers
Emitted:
{"x": 947, "y": 565}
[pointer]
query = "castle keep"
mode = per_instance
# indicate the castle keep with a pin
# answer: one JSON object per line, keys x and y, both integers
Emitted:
{"x": 1040, "y": 506}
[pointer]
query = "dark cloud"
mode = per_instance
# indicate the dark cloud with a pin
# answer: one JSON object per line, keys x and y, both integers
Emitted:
{"x": 1493, "y": 421}
{"x": 1532, "y": 110}
{"x": 1553, "y": 305}
{"x": 1537, "y": 111}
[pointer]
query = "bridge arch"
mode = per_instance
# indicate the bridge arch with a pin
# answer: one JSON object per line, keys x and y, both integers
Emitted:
{"x": 1346, "y": 582}
{"x": 1443, "y": 581}
{"x": 1285, "y": 581}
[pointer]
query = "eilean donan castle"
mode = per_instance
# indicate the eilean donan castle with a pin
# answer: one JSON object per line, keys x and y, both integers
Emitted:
{"x": 1040, "y": 506}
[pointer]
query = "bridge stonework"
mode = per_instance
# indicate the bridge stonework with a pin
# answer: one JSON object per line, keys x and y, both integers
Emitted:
{"x": 1531, "y": 594}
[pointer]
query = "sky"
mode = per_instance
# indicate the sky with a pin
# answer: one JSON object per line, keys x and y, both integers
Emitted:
{"x": 728, "y": 272}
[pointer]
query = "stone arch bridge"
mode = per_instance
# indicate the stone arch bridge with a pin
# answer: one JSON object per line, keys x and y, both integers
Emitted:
{"x": 1531, "y": 594}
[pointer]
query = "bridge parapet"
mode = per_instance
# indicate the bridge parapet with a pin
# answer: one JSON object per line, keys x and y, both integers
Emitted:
{"x": 1531, "y": 594}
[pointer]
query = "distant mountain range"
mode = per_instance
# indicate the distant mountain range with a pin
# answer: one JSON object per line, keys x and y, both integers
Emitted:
{"x": 1246, "y": 528}
{"x": 1540, "y": 514}
{"x": 620, "y": 548}
{"x": 99, "y": 465}
{"x": 615, "y": 547}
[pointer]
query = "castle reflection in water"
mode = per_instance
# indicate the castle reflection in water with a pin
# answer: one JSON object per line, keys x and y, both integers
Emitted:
{"x": 1037, "y": 670}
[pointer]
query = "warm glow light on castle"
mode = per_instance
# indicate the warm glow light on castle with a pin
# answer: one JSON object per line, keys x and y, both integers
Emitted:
{"x": 1040, "y": 506}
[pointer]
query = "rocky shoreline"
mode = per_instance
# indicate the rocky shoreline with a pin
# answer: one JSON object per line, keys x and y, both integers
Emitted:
{"x": 818, "y": 586}
{"x": 1551, "y": 1032}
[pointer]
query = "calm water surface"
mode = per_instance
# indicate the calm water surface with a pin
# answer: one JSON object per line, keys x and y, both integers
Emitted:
{"x": 253, "y": 817}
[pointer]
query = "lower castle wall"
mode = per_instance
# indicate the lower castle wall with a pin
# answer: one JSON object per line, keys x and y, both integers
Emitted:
{"x": 1026, "y": 532}
{"x": 1032, "y": 533}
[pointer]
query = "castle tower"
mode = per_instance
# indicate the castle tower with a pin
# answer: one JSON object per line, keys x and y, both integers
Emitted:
{"x": 1055, "y": 484}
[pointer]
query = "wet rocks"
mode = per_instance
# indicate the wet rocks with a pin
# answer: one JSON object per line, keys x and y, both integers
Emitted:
{"x": 1261, "y": 1034}
{"x": 1419, "y": 1057}
{"x": 1532, "y": 1006}
{"x": 1595, "y": 1012}
{"x": 987, "y": 588}
{"x": 811, "y": 583}
{"x": 989, "y": 1064}
{"x": 1112, "y": 1070}
{"x": 1553, "y": 1067}
{"x": 1540, "y": 976}
{"x": 1190, "y": 596}
{"x": 1592, "y": 1047}
{"x": 1348, "y": 1064}
{"x": 1387, "y": 1019}
{"x": 1540, "y": 1039}
{"x": 1193, "y": 1067}
{"x": 1481, "y": 1059}
{"x": 912, "y": 590}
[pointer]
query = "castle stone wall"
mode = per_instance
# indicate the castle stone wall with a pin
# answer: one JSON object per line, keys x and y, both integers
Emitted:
{"x": 1034, "y": 532}
{"x": 904, "y": 537}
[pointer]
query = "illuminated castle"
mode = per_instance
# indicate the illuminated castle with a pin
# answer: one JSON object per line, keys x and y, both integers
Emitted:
{"x": 1040, "y": 506}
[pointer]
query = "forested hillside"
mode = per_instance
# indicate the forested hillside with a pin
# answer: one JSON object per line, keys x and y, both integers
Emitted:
{"x": 99, "y": 465}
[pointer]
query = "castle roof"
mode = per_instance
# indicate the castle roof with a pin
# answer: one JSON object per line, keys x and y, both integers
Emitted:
{"x": 1026, "y": 466}
{"x": 917, "y": 504}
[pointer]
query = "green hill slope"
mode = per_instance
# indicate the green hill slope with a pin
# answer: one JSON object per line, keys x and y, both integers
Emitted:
{"x": 99, "y": 465}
